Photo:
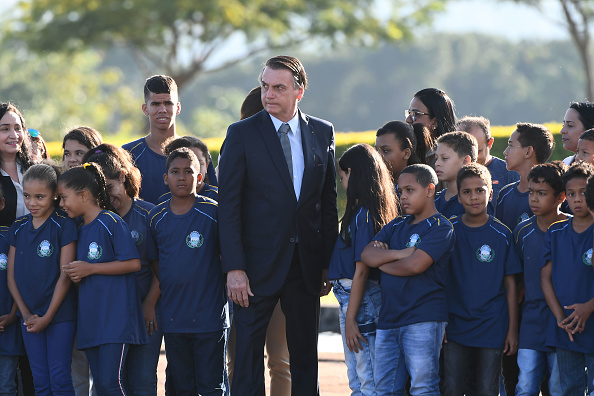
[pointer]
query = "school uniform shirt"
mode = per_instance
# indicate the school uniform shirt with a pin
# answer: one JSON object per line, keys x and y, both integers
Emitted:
{"x": 477, "y": 303}
{"x": 448, "y": 208}
{"x": 11, "y": 339}
{"x": 408, "y": 300}
{"x": 512, "y": 206}
{"x": 344, "y": 258}
{"x": 208, "y": 191}
{"x": 37, "y": 262}
{"x": 500, "y": 176}
{"x": 573, "y": 280}
{"x": 152, "y": 166}
{"x": 193, "y": 296}
{"x": 528, "y": 238}
{"x": 109, "y": 309}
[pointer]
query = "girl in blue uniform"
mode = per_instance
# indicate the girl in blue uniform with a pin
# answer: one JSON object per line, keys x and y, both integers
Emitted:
{"x": 40, "y": 242}
{"x": 371, "y": 204}
{"x": 109, "y": 309}
{"x": 123, "y": 185}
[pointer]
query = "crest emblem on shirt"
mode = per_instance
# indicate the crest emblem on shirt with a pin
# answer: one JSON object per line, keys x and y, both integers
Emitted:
{"x": 136, "y": 237}
{"x": 194, "y": 240}
{"x": 95, "y": 251}
{"x": 587, "y": 257}
{"x": 45, "y": 249}
{"x": 414, "y": 240}
{"x": 523, "y": 216}
{"x": 485, "y": 254}
{"x": 3, "y": 261}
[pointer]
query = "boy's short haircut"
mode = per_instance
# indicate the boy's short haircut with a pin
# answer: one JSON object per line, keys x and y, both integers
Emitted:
{"x": 466, "y": 124}
{"x": 462, "y": 143}
{"x": 159, "y": 84}
{"x": 588, "y": 135}
{"x": 550, "y": 173}
{"x": 424, "y": 174}
{"x": 182, "y": 152}
{"x": 580, "y": 169}
{"x": 590, "y": 193}
{"x": 474, "y": 170}
{"x": 539, "y": 137}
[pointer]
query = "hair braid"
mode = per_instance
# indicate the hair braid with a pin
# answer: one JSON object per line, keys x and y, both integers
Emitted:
{"x": 102, "y": 195}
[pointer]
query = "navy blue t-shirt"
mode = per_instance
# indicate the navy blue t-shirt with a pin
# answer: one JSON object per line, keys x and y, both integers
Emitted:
{"x": 208, "y": 191}
{"x": 573, "y": 280}
{"x": 109, "y": 309}
{"x": 477, "y": 302}
{"x": 11, "y": 339}
{"x": 193, "y": 296}
{"x": 513, "y": 207}
{"x": 500, "y": 176}
{"x": 528, "y": 239}
{"x": 421, "y": 298}
{"x": 37, "y": 262}
{"x": 450, "y": 208}
{"x": 152, "y": 167}
{"x": 342, "y": 263}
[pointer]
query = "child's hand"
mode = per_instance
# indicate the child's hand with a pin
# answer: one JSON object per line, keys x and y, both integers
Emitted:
{"x": 569, "y": 333}
{"x": 6, "y": 320}
{"x": 352, "y": 336}
{"x": 36, "y": 323}
{"x": 511, "y": 343}
{"x": 576, "y": 322}
{"x": 77, "y": 270}
{"x": 150, "y": 319}
{"x": 381, "y": 245}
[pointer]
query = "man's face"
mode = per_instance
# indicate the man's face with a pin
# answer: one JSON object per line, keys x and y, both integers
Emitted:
{"x": 279, "y": 95}
{"x": 161, "y": 110}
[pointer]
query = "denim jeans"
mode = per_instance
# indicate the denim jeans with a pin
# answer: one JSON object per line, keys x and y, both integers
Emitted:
{"x": 576, "y": 372}
{"x": 107, "y": 366}
{"x": 458, "y": 359}
{"x": 412, "y": 350}
{"x": 533, "y": 368}
{"x": 8, "y": 369}
{"x": 360, "y": 365}
{"x": 141, "y": 366}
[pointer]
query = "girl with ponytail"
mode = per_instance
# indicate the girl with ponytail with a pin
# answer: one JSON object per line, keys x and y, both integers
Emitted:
{"x": 109, "y": 309}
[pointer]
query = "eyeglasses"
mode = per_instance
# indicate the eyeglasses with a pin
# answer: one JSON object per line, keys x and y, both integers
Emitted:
{"x": 413, "y": 114}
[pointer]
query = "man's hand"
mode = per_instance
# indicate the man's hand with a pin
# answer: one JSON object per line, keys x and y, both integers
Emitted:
{"x": 238, "y": 288}
{"x": 326, "y": 285}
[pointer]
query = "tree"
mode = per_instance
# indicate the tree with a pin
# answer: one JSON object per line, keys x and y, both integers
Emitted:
{"x": 184, "y": 38}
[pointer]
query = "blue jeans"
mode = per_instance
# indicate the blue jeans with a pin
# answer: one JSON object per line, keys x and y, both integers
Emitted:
{"x": 458, "y": 359}
{"x": 141, "y": 366}
{"x": 533, "y": 368}
{"x": 576, "y": 372}
{"x": 360, "y": 364}
{"x": 8, "y": 369}
{"x": 413, "y": 350}
{"x": 50, "y": 358}
{"x": 107, "y": 366}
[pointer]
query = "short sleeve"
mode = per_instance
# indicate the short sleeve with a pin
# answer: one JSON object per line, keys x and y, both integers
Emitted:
{"x": 438, "y": 240}
{"x": 546, "y": 248}
{"x": 363, "y": 233}
{"x": 69, "y": 232}
{"x": 152, "y": 252}
{"x": 385, "y": 234}
{"x": 10, "y": 236}
{"x": 518, "y": 245}
{"x": 123, "y": 244}
{"x": 512, "y": 264}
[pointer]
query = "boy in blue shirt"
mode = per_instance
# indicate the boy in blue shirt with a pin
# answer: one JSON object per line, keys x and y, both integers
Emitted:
{"x": 482, "y": 301}
{"x": 535, "y": 359}
{"x": 568, "y": 286}
{"x": 454, "y": 150}
{"x": 411, "y": 252}
{"x": 480, "y": 128}
{"x": 184, "y": 231}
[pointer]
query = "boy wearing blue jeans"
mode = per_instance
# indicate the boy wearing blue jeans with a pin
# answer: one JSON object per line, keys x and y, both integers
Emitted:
{"x": 411, "y": 252}
{"x": 481, "y": 290}
{"x": 568, "y": 285}
{"x": 535, "y": 359}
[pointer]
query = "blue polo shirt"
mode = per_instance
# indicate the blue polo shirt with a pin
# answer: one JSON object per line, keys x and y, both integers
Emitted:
{"x": 573, "y": 280}
{"x": 109, "y": 309}
{"x": 37, "y": 262}
{"x": 408, "y": 300}
{"x": 448, "y": 208}
{"x": 513, "y": 207}
{"x": 344, "y": 258}
{"x": 11, "y": 339}
{"x": 193, "y": 296}
{"x": 152, "y": 167}
{"x": 483, "y": 256}
{"x": 208, "y": 191}
{"x": 500, "y": 176}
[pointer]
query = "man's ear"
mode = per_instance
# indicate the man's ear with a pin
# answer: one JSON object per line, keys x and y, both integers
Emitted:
{"x": 529, "y": 151}
{"x": 490, "y": 143}
{"x": 145, "y": 109}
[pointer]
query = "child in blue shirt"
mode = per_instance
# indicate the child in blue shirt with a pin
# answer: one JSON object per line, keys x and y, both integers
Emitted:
{"x": 454, "y": 150}
{"x": 411, "y": 252}
{"x": 482, "y": 300}
{"x": 585, "y": 147}
{"x": 371, "y": 204}
{"x": 184, "y": 250}
{"x": 535, "y": 359}
{"x": 40, "y": 243}
{"x": 568, "y": 286}
{"x": 109, "y": 309}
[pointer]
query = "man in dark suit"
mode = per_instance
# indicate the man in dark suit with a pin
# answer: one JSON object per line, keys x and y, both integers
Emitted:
{"x": 278, "y": 225}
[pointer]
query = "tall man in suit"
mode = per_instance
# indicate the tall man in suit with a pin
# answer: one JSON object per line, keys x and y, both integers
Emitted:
{"x": 277, "y": 224}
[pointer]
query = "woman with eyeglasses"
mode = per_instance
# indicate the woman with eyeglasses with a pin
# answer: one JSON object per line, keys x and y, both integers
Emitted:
{"x": 434, "y": 109}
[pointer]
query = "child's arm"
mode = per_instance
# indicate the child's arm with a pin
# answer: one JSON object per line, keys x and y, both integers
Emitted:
{"x": 414, "y": 264}
{"x": 16, "y": 295}
{"x": 351, "y": 328}
{"x": 78, "y": 270}
{"x": 511, "y": 340}
{"x": 36, "y": 323}
{"x": 378, "y": 253}
{"x": 546, "y": 283}
{"x": 9, "y": 318}
{"x": 148, "y": 305}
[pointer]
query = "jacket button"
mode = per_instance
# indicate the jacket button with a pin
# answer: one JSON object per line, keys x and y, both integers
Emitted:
{"x": 292, "y": 240}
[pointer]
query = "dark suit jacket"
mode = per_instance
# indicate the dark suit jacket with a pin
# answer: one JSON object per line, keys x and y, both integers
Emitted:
{"x": 259, "y": 216}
